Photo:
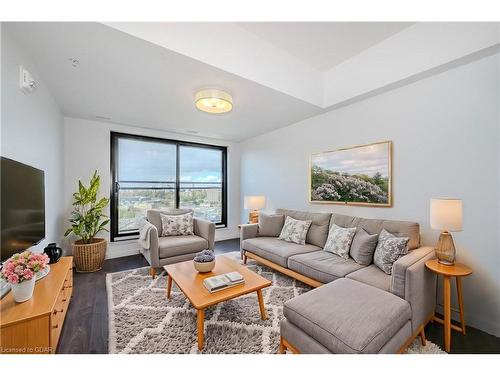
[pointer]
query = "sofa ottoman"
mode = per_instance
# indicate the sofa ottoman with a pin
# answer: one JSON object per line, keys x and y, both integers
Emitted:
{"x": 346, "y": 316}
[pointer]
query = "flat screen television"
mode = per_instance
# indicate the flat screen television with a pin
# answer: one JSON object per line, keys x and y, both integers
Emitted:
{"x": 22, "y": 206}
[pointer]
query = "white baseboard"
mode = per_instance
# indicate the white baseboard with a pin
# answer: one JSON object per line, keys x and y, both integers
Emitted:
{"x": 226, "y": 234}
{"x": 493, "y": 328}
{"x": 122, "y": 249}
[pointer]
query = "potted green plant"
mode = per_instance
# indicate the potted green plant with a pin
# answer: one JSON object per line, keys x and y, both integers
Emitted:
{"x": 87, "y": 220}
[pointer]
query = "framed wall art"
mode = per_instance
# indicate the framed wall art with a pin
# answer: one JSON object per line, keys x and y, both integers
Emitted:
{"x": 359, "y": 175}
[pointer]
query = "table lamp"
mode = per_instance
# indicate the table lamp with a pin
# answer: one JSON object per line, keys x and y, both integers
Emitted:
{"x": 254, "y": 203}
{"x": 446, "y": 215}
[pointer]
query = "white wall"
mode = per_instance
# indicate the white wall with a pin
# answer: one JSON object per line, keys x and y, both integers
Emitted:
{"x": 87, "y": 147}
{"x": 31, "y": 132}
{"x": 445, "y": 133}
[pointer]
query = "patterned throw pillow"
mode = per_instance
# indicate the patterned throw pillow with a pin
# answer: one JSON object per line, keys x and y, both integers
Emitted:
{"x": 339, "y": 240}
{"x": 177, "y": 225}
{"x": 295, "y": 230}
{"x": 389, "y": 249}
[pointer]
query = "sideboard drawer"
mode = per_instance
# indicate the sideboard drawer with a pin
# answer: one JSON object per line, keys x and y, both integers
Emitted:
{"x": 68, "y": 281}
{"x": 55, "y": 332}
{"x": 60, "y": 309}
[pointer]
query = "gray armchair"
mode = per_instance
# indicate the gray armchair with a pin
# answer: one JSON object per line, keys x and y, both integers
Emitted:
{"x": 174, "y": 249}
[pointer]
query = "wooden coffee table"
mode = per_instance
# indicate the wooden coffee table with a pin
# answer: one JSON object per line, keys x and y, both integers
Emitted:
{"x": 190, "y": 282}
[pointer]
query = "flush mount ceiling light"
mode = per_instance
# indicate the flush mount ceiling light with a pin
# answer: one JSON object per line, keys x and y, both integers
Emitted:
{"x": 214, "y": 101}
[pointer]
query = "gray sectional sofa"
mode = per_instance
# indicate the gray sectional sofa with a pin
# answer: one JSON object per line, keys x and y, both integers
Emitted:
{"x": 355, "y": 308}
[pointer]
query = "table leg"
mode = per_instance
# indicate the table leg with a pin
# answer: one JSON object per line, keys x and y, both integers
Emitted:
{"x": 263, "y": 313}
{"x": 201, "y": 327}
{"x": 461, "y": 303}
{"x": 169, "y": 286}
{"x": 282, "y": 348}
{"x": 423, "y": 341}
{"x": 447, "y": 313}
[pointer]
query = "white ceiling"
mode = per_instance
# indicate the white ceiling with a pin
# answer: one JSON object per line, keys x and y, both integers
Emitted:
{"x": 147, "y": 74}
{"x": 322, "y": 45}
{"x": 138, "y": 83}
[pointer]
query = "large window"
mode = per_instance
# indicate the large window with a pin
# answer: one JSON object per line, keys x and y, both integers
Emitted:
{"x": 158, "y": 173}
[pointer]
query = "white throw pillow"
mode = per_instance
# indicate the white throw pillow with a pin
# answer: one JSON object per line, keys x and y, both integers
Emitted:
{"x": 339, "y": 240}
{"x": 389, "y": 249}
{"x": 177, "y": 225}
{"x": 295, "y": 230}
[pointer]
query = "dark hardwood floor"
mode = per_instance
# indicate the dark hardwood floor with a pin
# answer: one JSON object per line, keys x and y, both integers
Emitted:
{"x": 474, "y": 342}
{"x": 86, "y": 327}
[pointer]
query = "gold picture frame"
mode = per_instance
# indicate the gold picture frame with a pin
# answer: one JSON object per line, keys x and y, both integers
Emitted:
{"x": 381, "y": 183}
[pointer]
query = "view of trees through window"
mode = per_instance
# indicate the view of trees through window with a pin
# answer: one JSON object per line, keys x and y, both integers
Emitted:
{"x": 146, "y": 177}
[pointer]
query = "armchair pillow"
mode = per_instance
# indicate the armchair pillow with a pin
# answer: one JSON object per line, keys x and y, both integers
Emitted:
{"x": 339, "y": 240}
{"x": 270, "y": 225}
{"x": 177, "y": 225}
{"x": 295, "y": 230}
{"x": 389, "y": 249}
{"x": 363, "y": 246}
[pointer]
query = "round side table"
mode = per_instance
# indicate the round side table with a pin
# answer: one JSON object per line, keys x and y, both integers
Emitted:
{"x": 457, "y": 271}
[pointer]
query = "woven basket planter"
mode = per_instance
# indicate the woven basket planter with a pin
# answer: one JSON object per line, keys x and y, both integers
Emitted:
{"x": 89, "y": 257}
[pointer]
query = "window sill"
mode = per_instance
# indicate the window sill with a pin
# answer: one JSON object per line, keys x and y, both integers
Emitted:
{"x": 136, "y": 237}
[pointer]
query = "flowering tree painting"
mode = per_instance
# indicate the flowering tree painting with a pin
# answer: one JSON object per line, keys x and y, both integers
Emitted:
{"x": 359, "y": 175}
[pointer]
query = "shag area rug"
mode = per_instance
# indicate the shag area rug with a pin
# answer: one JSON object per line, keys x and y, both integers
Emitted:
{"x": 142, "y": 320}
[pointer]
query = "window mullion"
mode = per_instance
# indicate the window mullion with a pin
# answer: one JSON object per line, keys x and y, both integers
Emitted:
{"x": 177, "y": 177}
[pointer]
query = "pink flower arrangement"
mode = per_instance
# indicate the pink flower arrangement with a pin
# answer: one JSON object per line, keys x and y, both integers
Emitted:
{"x": 23, "y": 266}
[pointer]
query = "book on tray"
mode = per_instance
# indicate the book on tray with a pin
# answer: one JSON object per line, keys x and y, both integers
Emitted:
{"x": 224, "y": 281}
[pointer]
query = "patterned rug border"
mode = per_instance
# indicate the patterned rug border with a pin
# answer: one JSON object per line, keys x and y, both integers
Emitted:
{"x": 111, "y": 313}
{"x": 415, "y": 347}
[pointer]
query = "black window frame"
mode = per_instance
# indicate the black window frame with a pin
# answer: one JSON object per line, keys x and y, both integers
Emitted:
{"x": 116, "y": 136}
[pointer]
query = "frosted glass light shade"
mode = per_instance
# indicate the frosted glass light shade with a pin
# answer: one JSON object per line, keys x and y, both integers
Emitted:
{"x": 214, "y": 101}
{"x": 446, "y": 214}
{"x": 254, "y": 202}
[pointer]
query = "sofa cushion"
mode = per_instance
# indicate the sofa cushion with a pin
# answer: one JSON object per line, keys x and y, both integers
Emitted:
{"x": 372, "y": 226}
{"x": 347, "y": 316}
{"x": 372, "y": 275}
{"x": 275, "y": 250}
{"x": 270, "y": 225}
{"x": 154, "y": 218}
{"x": 295, "y": 230}
{"x": 363, "y": 246}
{"x": 339, "y": 240}
{"x": 322, "y": 266}
{"x": 179, "y": 245}
{"x": 318, "y": 231}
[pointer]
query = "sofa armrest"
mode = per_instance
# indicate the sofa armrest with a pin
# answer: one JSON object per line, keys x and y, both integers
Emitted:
{"x": 205, "y": 229}
{"x": 152, "y": 254}
{"x": 412, "y": 281}
{"x": 401, "y": 266}
{"x": 247, "y": 231}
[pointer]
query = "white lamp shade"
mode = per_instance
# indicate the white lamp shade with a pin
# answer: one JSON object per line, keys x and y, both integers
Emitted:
{"x": 446, "y": 214}
{"x": 254, "y": 202}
